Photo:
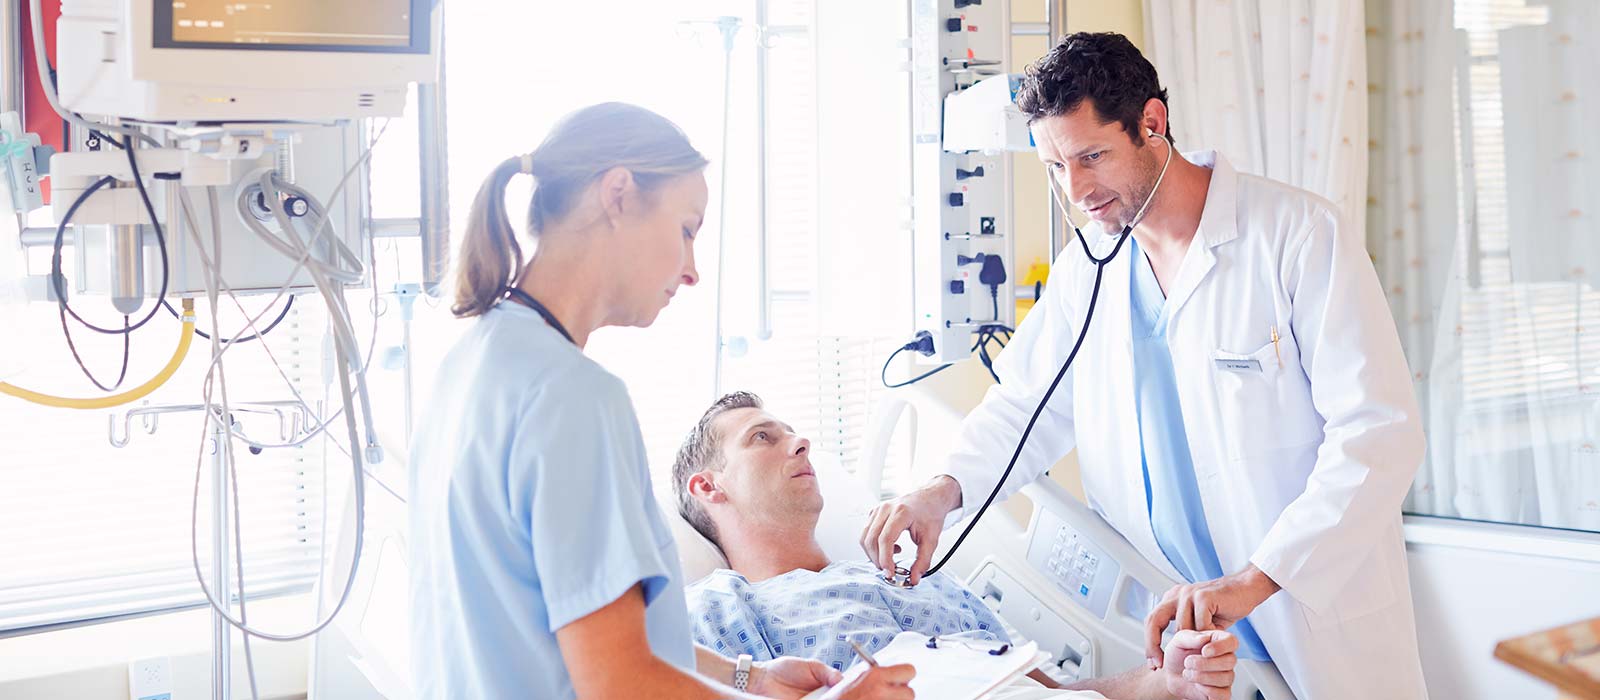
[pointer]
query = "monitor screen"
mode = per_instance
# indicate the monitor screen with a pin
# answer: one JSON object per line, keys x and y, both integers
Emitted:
{"x": 371, "y": 26}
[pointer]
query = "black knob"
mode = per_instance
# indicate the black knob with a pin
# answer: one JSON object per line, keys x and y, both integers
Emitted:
{"x": 964, "y": 174}
{"x": 958, "y": 287}
{"x": 953, "y": 24}
{"x": 296, "y": 206}
{"x": 957, "y": 199}
{"x": 967, "y": 3}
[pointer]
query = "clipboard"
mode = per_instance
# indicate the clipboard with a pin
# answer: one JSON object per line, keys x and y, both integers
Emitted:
{"x": 1565, "y": 657}
{"x": 955, "y": 669}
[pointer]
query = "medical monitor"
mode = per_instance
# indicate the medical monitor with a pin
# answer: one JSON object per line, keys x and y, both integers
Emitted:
{"x": 363, "y": 26}
{"x": 209, "y": 61}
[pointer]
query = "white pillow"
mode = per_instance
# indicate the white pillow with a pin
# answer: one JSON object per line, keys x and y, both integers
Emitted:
{"x": 846, "y": 504}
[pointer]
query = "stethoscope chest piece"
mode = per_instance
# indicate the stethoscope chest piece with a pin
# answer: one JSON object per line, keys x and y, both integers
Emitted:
{"x": 902, "y": 577}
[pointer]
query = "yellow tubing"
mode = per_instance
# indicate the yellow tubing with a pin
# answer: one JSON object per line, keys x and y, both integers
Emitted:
{"x": 131, "y": 395}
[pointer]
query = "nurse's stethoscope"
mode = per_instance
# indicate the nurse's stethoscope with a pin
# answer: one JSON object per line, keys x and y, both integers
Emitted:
{"x": 527, "y": 300}
{"x": 1088, "y": 317}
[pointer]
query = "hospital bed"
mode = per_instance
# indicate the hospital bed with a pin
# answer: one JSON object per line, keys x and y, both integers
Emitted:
{"x": 1067, "y": 581}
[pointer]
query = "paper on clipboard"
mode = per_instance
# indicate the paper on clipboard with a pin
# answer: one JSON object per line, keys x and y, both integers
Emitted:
{"x": 953, "y": 671}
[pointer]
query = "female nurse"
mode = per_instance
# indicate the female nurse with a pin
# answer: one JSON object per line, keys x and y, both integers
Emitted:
{"x": 541, "y": 565}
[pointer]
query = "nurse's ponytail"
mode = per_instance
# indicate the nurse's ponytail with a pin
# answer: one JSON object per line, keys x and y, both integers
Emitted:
{"x": 582, "y": 147}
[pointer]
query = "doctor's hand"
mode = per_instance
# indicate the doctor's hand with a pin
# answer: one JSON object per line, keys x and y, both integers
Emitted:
{"x": 1208, "y": 605}
{"x": 921, "y": 512}
{"x": 790, "y": 677}
{"x": 1199, "y": 665}
{"x": 880, "y": 683}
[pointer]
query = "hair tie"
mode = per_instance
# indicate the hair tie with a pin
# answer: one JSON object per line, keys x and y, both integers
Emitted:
{"x": 527, "y": 163}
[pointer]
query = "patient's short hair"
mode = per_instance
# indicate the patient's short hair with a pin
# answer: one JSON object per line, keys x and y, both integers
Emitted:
{"x": 702, "y": 450}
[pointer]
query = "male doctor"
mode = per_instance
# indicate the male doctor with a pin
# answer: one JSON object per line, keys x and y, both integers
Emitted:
{"x": 1241, "y": 407}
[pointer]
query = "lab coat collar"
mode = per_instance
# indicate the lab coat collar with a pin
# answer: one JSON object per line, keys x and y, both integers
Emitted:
{"x": 1219, "y": 222}
{"x": 1218, "y": 225}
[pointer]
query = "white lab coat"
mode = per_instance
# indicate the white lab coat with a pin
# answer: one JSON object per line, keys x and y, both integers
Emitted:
{"x": 1302, "y": 465}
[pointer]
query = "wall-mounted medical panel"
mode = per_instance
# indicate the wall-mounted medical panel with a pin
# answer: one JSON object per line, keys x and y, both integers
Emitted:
{"x": 962, "y": 243}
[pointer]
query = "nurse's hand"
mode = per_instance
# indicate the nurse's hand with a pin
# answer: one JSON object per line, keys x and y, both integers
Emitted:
{"x": 1208, "y": 605}
{"x": 790, "y": 677}
{"x": 881, "y": 683}
{"x": 920, "y": 512}
{"x": 1199, "y": 665}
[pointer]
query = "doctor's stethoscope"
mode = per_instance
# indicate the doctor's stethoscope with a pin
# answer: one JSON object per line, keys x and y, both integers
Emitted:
{"x": 1099, "y": 272}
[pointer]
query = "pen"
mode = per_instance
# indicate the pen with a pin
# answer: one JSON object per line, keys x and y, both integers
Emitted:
{"x": 1275, "y": 346}
{"x": 864, "y": 655}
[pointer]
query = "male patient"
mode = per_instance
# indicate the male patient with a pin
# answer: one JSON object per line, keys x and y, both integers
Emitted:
{"x": 743, "y": 479}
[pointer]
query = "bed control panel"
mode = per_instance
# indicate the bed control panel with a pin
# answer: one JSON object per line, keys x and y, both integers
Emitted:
{"x": 1079, "y": 567}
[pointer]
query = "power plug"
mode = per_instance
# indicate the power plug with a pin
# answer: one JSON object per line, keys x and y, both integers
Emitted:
{"x": 922, "y": 344}
{"x": 150, "y": 679}
{"x": 993, "y": 272}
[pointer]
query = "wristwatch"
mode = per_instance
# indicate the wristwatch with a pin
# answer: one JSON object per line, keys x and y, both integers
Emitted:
{"x": 741, "y": 672}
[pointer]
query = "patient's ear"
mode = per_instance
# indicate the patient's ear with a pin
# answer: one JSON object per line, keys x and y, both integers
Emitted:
{"x": 703, "y": 485}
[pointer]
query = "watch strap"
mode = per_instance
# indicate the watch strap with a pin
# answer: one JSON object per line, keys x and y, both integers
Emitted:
{"x": 741, "y": 672}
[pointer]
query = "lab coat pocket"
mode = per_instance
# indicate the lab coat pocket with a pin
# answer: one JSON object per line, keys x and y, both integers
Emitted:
{"x": 1249, "y": 401}
{"x": 1370, "y": 590}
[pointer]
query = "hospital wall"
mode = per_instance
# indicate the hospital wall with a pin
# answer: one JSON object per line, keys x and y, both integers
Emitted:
{"x": 91, "y": 663}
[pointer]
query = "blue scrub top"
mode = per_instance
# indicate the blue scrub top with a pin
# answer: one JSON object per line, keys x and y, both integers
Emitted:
{"x": 530, "y": 507}
{"x": 1171, "y": 491}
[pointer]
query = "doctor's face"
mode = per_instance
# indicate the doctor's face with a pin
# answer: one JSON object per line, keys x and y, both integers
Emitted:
{"x": 766, "y": 471}
{"x": 1097, "y": 166}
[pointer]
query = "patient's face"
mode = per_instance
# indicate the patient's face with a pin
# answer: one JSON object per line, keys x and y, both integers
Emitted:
{"x": 767, "y": 471}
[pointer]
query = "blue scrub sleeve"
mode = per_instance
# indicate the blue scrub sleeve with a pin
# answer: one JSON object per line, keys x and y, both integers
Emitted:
{"x": 591, "y": 517}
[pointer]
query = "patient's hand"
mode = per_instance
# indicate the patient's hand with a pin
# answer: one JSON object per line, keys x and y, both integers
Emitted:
{"x": 1199, "y": 665}
{"x": 790, "y": 677}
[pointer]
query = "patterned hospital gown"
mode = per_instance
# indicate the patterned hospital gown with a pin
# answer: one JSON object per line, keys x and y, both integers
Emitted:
{"x": 812, "y": 614}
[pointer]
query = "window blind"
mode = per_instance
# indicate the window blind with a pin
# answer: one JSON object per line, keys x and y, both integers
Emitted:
{"x": 822, "y": 382}
{"x": 89, "y": 531}
{"x": 1522, "y": 336}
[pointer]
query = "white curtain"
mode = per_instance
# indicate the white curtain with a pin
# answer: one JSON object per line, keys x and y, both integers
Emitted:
{"x": 1276, "y": 86}
{"x": 1412, "y": 212}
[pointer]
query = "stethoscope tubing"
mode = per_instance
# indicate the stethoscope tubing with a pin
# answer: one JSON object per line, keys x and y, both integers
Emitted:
{"x": 1088, "y": 318}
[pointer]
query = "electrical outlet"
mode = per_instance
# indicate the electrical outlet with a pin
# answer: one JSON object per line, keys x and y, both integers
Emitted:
{"x": 150, "y": 679}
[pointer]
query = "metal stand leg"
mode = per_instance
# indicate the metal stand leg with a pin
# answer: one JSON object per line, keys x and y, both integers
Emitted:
{"x": 222, "y": 583}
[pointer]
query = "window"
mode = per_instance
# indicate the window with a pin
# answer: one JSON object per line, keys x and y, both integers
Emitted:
{"x": 90, "y": 531}
{"x": 1513, "y": 376}
{"x": 827, "y": 123}
{"x": 813, "y": 369}
{"x": 1523, "y": 309}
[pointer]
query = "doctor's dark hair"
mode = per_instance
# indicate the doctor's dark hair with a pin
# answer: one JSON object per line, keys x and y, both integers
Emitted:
{"x": 583, "y": 146}
{"x": 1104, "y": 68}
{"x": 702, "y": 450}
